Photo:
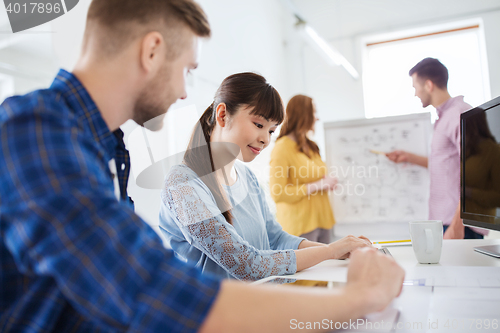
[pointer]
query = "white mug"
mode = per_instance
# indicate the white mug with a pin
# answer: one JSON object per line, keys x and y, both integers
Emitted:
{"x": 427, "y": 240}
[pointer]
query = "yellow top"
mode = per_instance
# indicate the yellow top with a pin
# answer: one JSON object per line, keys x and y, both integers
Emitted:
{"x": 482, "y": 181}
{"x": 297, "y": 212}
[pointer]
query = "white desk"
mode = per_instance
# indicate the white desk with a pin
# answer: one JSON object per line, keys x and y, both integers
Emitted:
{"x": 455, "y": 253}
{"x": 463, "y": 292}
{"x": 463, "y": 287}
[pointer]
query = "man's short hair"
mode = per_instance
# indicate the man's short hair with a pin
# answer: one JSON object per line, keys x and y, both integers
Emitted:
{"x": 118, "y": 22}
{"x": 431, "y": 69}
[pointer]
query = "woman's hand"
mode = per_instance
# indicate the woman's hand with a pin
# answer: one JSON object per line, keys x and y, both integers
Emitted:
{"x": 343, "y": 248}
{"x": 326, "y": 183}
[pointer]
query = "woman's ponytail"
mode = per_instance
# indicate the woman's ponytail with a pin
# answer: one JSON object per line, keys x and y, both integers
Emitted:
{"x": 207, "y": 122}
{"x": 199, "y": 158}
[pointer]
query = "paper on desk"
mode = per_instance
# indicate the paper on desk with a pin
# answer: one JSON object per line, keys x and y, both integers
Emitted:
{"x": 328, "y": 270}
{"x": 414, "y": 304}
{"x": 456, "y": 276}
{"x": 379, "y": 243}
{"x": 377, "y": 322}
{"x": 465, "y": 310}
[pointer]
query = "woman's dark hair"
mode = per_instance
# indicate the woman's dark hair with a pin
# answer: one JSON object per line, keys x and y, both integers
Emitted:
{"x": 299, "y": 120}
{"x": 477, "y": 130}
{"x": 243, "y": 89}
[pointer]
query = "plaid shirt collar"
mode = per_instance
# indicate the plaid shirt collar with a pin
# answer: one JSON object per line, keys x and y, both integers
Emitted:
{"x": 79, "y": 100}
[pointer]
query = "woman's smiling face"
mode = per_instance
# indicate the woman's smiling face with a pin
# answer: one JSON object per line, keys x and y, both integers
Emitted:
{"x": 252, "y": 133}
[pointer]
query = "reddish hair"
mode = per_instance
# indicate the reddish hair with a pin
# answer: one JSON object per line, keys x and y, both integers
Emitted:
{"x": 299, "y": 120}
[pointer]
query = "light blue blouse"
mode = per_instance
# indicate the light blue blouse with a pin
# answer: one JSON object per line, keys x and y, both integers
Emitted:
{"x": 252, "y": 248}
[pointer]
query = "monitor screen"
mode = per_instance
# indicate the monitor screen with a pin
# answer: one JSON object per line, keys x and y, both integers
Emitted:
{"x": 480, "y": 166}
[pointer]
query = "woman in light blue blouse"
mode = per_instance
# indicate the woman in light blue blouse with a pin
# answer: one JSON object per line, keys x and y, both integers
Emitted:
{"x": 214, "y": 212}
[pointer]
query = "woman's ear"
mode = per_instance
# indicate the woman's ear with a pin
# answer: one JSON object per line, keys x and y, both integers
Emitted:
{"x": 221, "y": 114}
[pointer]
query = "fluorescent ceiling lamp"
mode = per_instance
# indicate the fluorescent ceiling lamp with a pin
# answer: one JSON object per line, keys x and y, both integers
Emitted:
{"x": 331, "y": 55}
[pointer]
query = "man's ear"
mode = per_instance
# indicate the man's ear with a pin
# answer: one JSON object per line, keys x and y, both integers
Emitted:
{"x": 429, "y": 86}
{"x": 221, "y": 114}
{"x": 152, "y": 52}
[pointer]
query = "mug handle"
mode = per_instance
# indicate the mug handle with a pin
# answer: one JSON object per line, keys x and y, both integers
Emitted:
{"x": 430, "y": 241}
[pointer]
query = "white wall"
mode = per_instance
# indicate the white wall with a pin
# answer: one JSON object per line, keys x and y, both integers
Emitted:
{"x": 35, "y": 55}
{"x": 492, "y": 30}
{"x": 30, "y": 71}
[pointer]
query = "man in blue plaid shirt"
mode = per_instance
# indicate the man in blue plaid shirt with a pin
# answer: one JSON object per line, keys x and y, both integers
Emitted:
{"x": 75, "y": 259}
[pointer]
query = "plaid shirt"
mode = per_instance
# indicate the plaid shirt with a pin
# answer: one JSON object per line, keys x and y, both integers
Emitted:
{"x": 73, "y": 258}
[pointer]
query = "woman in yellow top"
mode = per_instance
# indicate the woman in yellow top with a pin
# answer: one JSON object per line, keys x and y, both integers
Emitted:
{"x": 298, "y": 179}
{"x": 482, "y": 179}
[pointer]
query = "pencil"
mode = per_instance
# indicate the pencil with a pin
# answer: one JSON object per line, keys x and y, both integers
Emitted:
{"x": 394, "y": 241}
{"x": 377, "y": 152}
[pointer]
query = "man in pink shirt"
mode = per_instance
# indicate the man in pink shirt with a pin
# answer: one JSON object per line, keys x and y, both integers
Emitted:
{"x": 430, "y": 80}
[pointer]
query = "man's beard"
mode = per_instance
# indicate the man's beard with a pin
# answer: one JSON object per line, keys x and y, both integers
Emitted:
{"x": 149, "y": 115}
{"x": 150, "y": 108}
{"x": 426, "y": 101}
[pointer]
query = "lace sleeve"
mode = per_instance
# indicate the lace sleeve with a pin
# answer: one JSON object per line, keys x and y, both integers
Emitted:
{"x": 204, "y": 227}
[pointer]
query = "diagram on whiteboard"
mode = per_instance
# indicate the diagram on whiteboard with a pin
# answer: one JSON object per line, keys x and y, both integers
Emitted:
{"x": 371, "y": 187}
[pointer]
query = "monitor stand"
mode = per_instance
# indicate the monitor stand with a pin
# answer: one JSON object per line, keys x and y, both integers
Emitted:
{"x": 490, "y": 250}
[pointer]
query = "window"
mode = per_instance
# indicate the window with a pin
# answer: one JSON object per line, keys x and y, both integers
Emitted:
{"x": 388, "y": 58}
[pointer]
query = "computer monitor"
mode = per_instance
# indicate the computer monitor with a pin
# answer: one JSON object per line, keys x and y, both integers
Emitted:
{"x": 480, "y": 169}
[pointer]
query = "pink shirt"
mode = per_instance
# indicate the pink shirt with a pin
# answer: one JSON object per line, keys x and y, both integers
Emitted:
{"x": 444, "y": 162}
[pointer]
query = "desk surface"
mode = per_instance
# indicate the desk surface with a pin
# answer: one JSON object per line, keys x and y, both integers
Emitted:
{"x": 459, "y": 252}
{"x": 456, "y": 252}
{"x": 464, "y": 296}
